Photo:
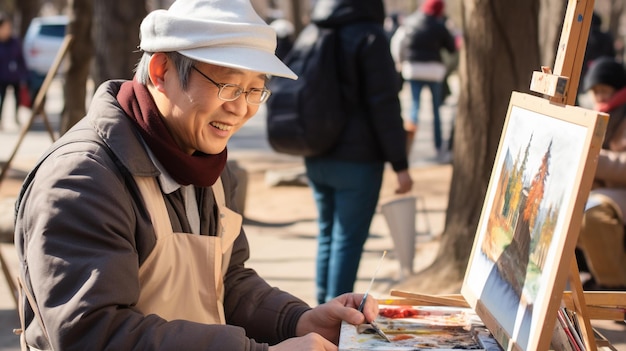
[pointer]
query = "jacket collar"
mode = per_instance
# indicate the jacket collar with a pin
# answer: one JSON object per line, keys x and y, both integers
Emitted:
{"x": 110, "y": 123}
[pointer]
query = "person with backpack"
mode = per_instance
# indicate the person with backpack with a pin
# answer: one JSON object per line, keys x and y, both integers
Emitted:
{"x": 346, "y": 180}
{"x": 127, "y": 230}
{"x": 417, "y": 47}
{"x": 284, "y": 36}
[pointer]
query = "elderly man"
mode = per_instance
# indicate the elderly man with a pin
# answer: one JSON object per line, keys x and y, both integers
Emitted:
{"x": 126, "y": 229}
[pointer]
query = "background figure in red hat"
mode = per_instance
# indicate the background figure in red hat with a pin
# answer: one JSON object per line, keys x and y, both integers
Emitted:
{"x": 417, "y": 46}
{"x": 433, "y": 7}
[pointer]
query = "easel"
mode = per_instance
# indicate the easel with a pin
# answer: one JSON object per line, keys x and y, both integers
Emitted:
{"x": 36, "y": 110}
{"x": 560, "y": 87}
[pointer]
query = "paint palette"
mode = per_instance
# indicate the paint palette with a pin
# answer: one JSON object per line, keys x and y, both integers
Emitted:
{"x": 420, "y": 328}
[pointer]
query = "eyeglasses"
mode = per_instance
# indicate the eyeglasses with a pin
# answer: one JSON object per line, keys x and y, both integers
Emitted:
{"x": 231, "y": 92}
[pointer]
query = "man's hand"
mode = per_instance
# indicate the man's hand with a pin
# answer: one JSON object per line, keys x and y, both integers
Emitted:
{"x": 405, "y": 183}
{"x": 309, "y": 342}
{"x": 326, "y": 319}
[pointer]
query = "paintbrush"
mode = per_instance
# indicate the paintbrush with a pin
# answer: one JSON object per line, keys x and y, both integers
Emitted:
{"x": 362, "y": 304}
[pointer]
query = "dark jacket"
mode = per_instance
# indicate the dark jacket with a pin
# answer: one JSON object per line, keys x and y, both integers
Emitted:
{"x": 374, "y": 132}
{"x": 599, "y": 43}
{"x": 82, "y": 232}
{"x": 12, "y": 65}
{"x": 425, "y": 37}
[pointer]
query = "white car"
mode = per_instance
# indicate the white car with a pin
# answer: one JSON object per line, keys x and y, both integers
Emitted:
{"x": 42, "y": 42}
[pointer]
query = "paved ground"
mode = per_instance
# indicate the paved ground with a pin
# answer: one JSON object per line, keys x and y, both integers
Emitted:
{"x": 280, "y": 220}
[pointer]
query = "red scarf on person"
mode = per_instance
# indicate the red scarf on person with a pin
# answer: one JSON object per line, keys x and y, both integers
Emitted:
{"x": 618, "y": 99}
{"x": 199, "y": 169}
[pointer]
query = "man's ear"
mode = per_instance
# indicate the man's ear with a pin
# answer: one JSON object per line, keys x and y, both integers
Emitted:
{"x": 157, "y": 69}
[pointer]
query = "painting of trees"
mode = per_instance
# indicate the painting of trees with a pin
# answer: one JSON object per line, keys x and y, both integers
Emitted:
{"x": 537, "y": 188}
{"x": 511, "y": 229}
{"x": 523, "y": 247}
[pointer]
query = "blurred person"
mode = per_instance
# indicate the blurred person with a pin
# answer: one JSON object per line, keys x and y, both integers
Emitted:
{"x": 391, "y": 24}
{"x": 599, "y": 44}
{"x": 284, "y": 36}
{"x": 13, "y": 72}
{"x": 450, "y": 59}
{"x": 127, "y": 229}
{"x": 601, "y": 240}
{"x": 417, "y": 47}
{"x": 346, "y": 181}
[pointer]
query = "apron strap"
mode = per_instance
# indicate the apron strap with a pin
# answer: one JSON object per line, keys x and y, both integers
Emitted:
{"x": 33, "y": 306}
{"x": 218, "y": 192}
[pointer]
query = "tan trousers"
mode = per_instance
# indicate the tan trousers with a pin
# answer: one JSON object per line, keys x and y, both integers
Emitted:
{"x": 601, "y": 240}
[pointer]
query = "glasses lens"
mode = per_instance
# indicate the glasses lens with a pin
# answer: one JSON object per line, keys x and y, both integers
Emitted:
{"x": 257, "y": 96}
{"x": 230, "y": 92}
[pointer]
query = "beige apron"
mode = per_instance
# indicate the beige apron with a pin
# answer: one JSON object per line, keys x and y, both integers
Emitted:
{"x": 176, "y": 279}
{"x": 183, "y": 277}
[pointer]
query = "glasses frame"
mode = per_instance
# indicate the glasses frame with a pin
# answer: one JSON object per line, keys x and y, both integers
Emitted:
{"x": 265, "y": 93}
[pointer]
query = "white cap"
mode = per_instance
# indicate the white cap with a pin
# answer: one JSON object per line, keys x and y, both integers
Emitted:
{"x": 226, "y": 33}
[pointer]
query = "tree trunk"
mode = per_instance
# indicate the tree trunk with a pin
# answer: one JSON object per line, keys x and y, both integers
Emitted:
{"x": 501, "y": 50}
{"x": 116, "y": 38}
{"x": 28, "y": 10}
{"x": 59, "y": 5}
{"x": 152, "y": 5}
{"x": 79, "y": 59}
{"x": 296, "y": 12}
{"x": 550, "y": 26}
{"x": 617, "y": 9}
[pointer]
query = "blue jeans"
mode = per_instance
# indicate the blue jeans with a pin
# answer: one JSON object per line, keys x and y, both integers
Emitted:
{"x": 346, "y": 195}
{"x": 35, "y": 81}
{"x": 436, "y": 90}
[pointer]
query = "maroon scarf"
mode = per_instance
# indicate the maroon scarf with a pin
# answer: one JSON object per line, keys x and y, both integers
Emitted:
{"x": 618, "y": 99}
{"x": 199, "y": 169}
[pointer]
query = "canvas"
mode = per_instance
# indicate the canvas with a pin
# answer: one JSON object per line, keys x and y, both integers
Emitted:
{"x": 525, "y": 241}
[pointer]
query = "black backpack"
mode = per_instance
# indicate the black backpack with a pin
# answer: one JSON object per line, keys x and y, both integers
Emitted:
{"x": 305, "y": 117}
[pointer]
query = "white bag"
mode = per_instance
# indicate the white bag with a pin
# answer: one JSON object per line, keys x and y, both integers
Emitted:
{"x": 431, "y": 71}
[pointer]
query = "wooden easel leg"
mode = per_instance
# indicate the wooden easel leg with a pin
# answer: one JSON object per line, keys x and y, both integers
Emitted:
{"x": 38, "y": 103}
{"x": 25, "y": 129}
{"x": 46, "y": 122}
{"x": 580, "y": 307}
{"x": 9, "y": 278}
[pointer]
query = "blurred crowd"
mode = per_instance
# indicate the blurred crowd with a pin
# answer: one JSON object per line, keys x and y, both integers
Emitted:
{"x": 425, "y": 46}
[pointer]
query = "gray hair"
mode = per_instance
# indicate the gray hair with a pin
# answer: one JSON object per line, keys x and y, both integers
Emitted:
{"x": 182, "y": 63}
